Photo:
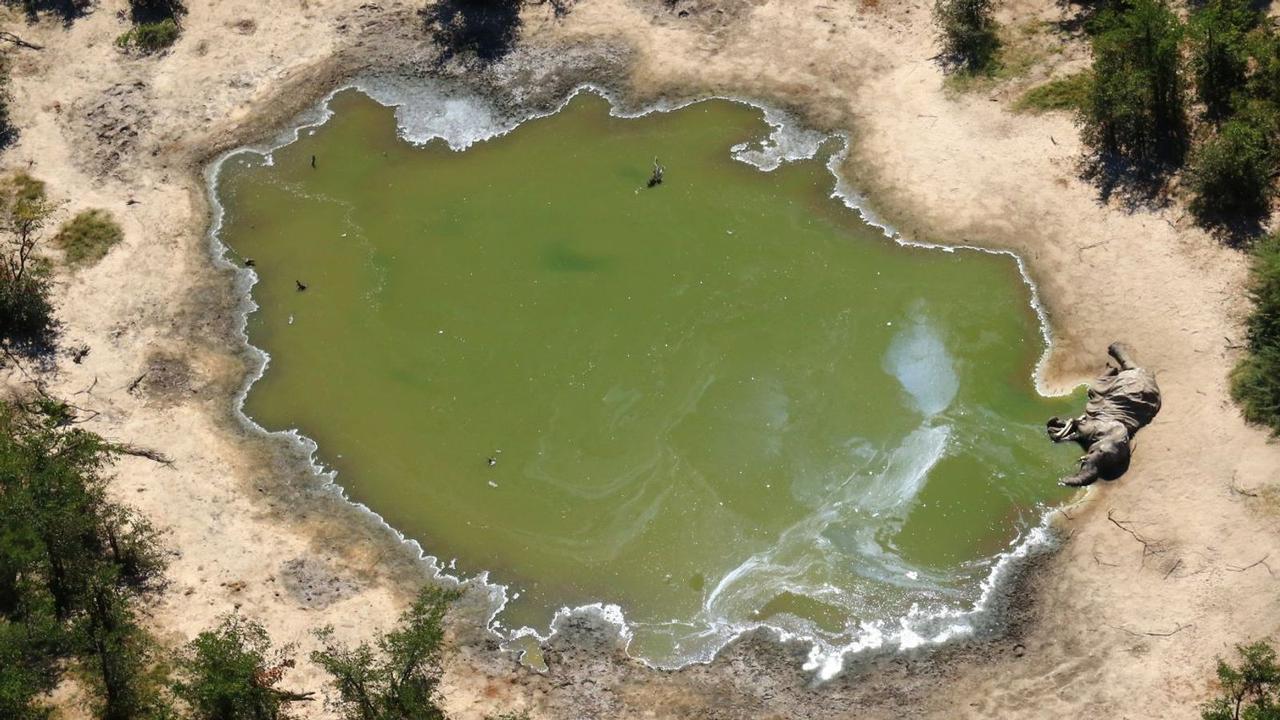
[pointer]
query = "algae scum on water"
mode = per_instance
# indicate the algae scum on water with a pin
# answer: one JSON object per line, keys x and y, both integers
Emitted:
{"x": 719, "y": 403}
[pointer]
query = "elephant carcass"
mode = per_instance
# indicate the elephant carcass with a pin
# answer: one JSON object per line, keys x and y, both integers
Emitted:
{"x": 1121, "y": 401}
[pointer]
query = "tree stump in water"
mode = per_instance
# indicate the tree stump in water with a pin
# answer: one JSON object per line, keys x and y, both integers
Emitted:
{"x": 656, "y": 177}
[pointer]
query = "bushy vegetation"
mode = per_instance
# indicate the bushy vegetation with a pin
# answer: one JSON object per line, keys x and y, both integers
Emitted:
{"x": 156, "y": 25}
{"x": 483, "y": 29}
{"x": 1250, "y": 690}
{"x": 1070, "y": 92}
{"x": 73, "y": 563}
{"x": 232, "y": 673}
{"x": 86, "y": 238}
{"x": 151, "y": 37}
{"x": 1231, "y": 172}
{"x": 1136, "y": 108}
{"x": 395, "y": 678}
{"x": 71, "y": 560}
{"x": 1255, "y": 384}
{"x": 967, "y": 32}
{"x": 8, "y": 132}
{"x": 1219, "y": 58}
{"x": 26, "y": 313}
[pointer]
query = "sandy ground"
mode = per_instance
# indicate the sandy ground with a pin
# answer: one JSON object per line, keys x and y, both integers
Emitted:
{"x": 1158, "y": 573}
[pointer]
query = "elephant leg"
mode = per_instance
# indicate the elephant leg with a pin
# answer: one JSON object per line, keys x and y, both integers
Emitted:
{"x": 1122, "y": 354}
{"x": 1086, "y": 475}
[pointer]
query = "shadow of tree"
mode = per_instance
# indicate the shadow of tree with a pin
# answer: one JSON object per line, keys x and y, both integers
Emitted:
{"x": 1132, "y": 185}
{"x": 1235, "y": 230}
{"x": 484, "y": 29}
{"x": 151, "y": 11}
{"x": 65, "y": 10}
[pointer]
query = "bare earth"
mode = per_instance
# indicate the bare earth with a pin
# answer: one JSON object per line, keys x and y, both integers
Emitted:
{"x": 1158, "y": 573}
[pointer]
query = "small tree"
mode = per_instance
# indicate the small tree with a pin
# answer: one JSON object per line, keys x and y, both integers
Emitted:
{"x": 967, "y": 32}
{"x": 26, "y": 314}
{"x": 1136, "y": 108}
{"x": 71, "y": 561}
{"x": 1250, "y": 691}
{"x": 27, "y": 670}
{"x": 1220, "y": 54}
{"x": 1231, "y": 173}
{"x": 396, "y": 680}
{"x": 231, "y": 673}
{"x": 1264, "y": 81}
{"x": 1255, "y": 382}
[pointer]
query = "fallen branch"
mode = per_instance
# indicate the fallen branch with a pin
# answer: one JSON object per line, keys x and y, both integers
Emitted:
{"x": 1100, "y": 561}
{"x": 1138, "y": 633}
{"x": 1262, "y": 562}
{"x": 148, "y": 453}
{"x": 89, "y": 389}
{"x": 1149, "y": 547}
{"x": 10, "y": 37}
{"x": 1239, "y": 490}
{"x": 137, "y": 381}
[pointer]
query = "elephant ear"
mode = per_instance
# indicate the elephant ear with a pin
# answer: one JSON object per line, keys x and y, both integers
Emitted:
{"x": 1111, "y": 456}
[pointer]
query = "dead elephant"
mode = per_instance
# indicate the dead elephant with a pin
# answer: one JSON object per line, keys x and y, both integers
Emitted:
{"x": 1121, "y": 401}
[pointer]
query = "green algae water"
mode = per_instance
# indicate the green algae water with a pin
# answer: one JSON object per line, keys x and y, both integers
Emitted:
{"x": 720, "y": 403}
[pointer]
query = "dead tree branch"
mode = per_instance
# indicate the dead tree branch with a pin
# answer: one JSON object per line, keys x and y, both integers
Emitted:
{"x": 1139, "y": 633}
{"x": 1250, "y": 566}
{"x": 148, "y": 453}
{"x": 1149, "y": 546}
{"x": 11, "y": 38}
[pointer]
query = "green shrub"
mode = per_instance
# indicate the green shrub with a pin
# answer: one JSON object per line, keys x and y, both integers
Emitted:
{"x": 1255, "y": 383}
{"x": 71, "y": 561}
{"x": 1231, "y": 173}
{"x": 26, "y": 313}
{"x": 1250, "y": 691}
{"x": 1136, "y": 107}
{"x": 1219, "y": 57}
{"x": 397, "y": 679}
{"x": 8, "y": 133}
{"x": 967, "y": 33}
{"x": 86, "y": 238}
{"x": 151, "y": 37}
{"x": 230, "y": 673}
{"x": 1070, "y": 92}
{"x": 1264, "y": 80}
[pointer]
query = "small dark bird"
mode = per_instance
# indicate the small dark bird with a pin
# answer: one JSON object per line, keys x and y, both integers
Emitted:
{"x": 301, "y": 285}
{"x": 313, "y": 161}
{"x": 248, "y": 262}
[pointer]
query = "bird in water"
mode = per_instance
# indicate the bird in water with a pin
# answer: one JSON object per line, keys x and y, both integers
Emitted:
{"x": 301, "y": 286}
{"x": 492, "y": 461}
{"x": 249, "y": 262}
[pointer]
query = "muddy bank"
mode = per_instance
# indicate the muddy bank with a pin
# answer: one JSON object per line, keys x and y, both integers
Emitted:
{"x": 1100, "y": 627}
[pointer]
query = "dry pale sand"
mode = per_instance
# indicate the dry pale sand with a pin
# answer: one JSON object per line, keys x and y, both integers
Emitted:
{"x": 1158, "y": 573}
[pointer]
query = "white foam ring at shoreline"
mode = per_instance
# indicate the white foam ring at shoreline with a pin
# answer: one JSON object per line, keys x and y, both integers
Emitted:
{"x": 427, "y": 110}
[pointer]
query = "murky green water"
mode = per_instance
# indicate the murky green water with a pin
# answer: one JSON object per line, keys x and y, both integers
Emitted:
{"x": 721, "y": 401}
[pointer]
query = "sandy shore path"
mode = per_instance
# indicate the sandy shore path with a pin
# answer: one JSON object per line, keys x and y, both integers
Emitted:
{"x": 1156, "y": 575}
